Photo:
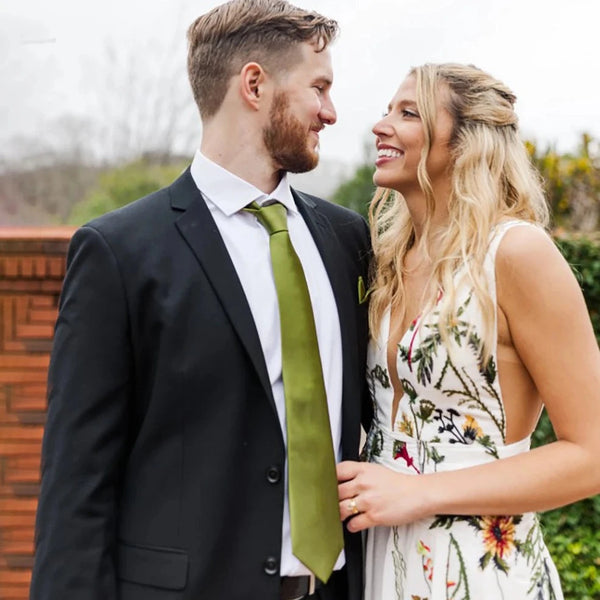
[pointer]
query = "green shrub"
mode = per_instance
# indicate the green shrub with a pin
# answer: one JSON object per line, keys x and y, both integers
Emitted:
{"x": 584, "y": 257}
{"x": 356, "y": 193}
{"x": 119, "y": 186}
{"x": 572, "y": 532}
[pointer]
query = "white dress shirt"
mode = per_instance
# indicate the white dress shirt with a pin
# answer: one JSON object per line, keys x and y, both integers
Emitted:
{"x": 247, "y": 242}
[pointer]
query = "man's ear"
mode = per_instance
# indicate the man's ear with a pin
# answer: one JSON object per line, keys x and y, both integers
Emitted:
{"x": 252, "y": 81}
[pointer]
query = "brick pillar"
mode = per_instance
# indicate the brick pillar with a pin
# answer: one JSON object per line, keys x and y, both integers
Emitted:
{"x": 32, "y": 266}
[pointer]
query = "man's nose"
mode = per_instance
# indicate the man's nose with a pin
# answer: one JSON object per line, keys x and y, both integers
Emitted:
{"x": 328, "y": 114}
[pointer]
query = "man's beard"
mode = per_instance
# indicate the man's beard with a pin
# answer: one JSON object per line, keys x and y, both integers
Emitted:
{"x": 286, "y": 139}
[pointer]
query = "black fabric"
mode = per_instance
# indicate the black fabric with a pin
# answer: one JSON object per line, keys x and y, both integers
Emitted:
{"x": 159, "y": 567}
{"x": 162, "y": 436}
{"x": 337, "y": 587}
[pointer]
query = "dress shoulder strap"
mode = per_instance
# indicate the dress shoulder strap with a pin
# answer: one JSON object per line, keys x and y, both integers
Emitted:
{"x": 500, "y": 230}
{"x": 496, "y": 236}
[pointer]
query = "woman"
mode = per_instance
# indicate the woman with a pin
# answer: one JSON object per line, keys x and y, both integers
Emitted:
{"x": 476, "y": 321}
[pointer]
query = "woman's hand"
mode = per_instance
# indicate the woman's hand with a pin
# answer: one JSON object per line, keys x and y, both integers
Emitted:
{"x": 373, "y": 495}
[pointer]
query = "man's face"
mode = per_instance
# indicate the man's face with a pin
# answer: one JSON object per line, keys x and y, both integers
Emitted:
{"x": 300, "y": 109}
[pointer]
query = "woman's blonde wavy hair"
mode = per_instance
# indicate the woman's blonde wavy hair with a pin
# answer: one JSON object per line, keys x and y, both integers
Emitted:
{"x": 492, "y": 179}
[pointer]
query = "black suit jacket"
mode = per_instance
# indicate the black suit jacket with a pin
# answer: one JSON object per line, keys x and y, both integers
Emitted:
{"x": 163, "y": 457}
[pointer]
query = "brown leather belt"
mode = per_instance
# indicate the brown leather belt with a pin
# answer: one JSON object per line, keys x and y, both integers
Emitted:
{"x": 293, "y": 588}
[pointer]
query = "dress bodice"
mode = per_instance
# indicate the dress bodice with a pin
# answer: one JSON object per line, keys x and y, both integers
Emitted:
{"x": 452, "y": 397}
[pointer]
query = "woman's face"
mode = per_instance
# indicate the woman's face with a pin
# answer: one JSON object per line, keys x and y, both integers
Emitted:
{"x": 401, "y": 137}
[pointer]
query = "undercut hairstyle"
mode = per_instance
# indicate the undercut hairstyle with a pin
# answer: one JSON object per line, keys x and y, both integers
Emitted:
{"x": 492, "y": 179}
{"x": 268, "y": 32}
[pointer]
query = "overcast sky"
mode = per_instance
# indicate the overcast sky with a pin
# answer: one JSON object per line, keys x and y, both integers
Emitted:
{"x": 52, "y": 52}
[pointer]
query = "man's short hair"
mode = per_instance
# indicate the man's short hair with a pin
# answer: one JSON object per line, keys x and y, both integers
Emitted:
{"x": 268, "y": 32}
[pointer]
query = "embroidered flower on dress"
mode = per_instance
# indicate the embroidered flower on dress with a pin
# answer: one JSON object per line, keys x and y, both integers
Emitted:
{"x": 406, "y": 426}
{"x": 400, "y": 451}
{"x": 425, "y": 552}
{"x": 499, "y": 540}
{"x": 471, "y": 429}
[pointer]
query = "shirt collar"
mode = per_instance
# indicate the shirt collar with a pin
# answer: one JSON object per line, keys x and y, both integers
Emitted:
{"x": 229, "y": 193}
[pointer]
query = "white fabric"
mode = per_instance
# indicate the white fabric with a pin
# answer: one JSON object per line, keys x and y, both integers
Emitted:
{"x": 247, "y": 243}
{"x": 451, "y": 416}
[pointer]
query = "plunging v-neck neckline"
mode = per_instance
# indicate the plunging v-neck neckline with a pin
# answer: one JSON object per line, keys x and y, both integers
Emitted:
{"x": 394, "y": 377}
{"x": 412, "y": 326}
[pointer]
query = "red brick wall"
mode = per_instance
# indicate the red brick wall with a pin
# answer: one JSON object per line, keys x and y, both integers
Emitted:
{"x": 32, "y": 264}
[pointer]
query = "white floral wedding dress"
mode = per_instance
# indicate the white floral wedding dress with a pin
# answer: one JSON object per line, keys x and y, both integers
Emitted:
{"x": 450, "y": 416}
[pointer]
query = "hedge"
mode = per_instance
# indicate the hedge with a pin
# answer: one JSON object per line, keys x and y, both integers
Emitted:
{"x": 572, "y": 532}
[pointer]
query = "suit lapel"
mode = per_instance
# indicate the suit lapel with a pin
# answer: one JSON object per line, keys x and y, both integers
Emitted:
{"x": 328, "y": 245}
{"x": 199, "y": 230}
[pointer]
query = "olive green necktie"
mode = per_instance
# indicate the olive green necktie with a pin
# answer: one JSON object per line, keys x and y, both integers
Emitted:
{"x": 312, "y": 486}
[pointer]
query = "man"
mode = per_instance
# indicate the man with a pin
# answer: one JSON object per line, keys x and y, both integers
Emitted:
{"x": 165, "y": 453}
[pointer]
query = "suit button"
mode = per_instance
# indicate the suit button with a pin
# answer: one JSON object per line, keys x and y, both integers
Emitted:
{"x": 271, "y": 565}
{"x": 273, "y": 474}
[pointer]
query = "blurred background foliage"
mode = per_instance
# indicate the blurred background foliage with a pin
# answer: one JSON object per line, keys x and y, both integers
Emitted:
{"x": 572, "y": 184}
{"x": 123, "y": 184}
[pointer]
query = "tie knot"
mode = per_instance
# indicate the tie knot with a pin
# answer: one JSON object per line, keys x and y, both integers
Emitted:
{"x": 273, "y": 217}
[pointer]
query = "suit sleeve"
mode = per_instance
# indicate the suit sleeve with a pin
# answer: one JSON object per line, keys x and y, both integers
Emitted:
{"x": 89, "y": 388}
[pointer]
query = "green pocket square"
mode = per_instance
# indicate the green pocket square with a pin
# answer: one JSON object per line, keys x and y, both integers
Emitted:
{"x": 363, "y": 292}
